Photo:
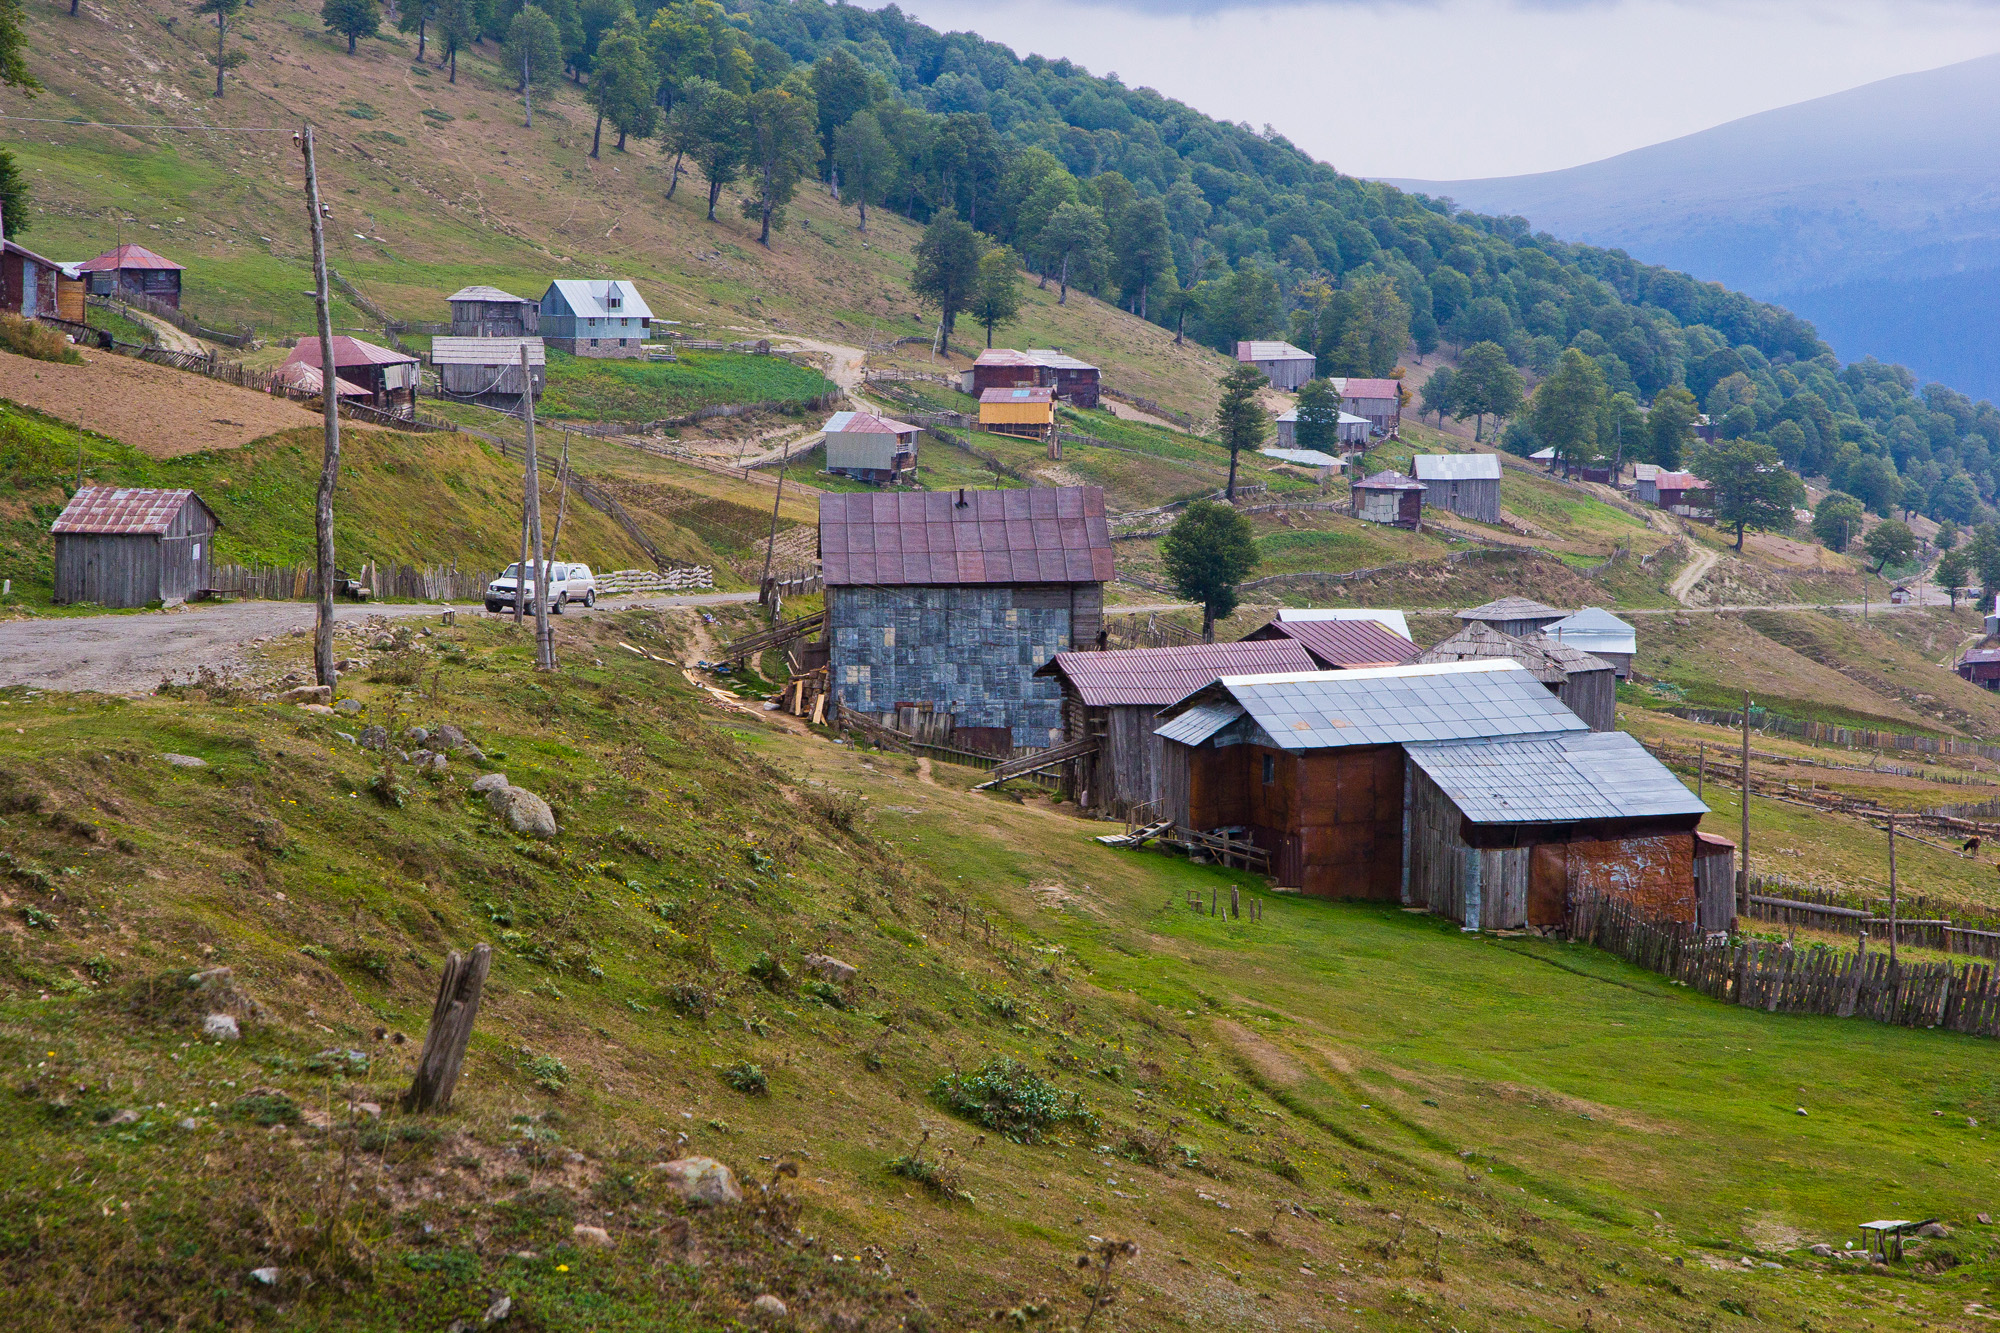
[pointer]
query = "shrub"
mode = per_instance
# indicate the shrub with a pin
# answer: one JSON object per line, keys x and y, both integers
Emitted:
{"x": 1003, "y": 1095}
{"x": 838, "y": 808}
{"x": 769, "y": 971}
{"x": 825, "y": 992}
{"x": 747, "y": 1078}
{"x": 549, "y": 1073}
{"x": 24, "y": 337}
{"x": 941, "y": 1175}
{"x": 688, "y": 998}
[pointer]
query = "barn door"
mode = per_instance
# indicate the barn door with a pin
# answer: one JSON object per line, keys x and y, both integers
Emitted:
{"x": 1548, "y": 884}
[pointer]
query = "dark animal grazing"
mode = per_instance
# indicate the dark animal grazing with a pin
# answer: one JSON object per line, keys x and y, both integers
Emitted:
{"x": 1971, "y": 845}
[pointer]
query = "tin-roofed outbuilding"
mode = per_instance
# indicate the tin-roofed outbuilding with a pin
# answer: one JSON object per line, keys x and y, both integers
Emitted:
{"x": 1388, "y": 617}
{"x": 1112, "y": 698}
{"x": 488, "y": 370}
{"x": 948, "y": 601}
{"x": 128, "y": 546}
{"x": 1587, "y": 685}
{"x": 1389, "y": 498}
{"x": 1286, "y": 366}
{"x": 389, "y": 376}
{"x": 1351, "y": 430}
{"x": 1601, "y": 634}
{"x": 869, "y": 448}
{"x": 1518, "y": 616}
{"x": 480, "y": 311}
{"x": 1466, "y": 484}
{"x": 133, "y": 270}
{"x": 1024, "y": 410}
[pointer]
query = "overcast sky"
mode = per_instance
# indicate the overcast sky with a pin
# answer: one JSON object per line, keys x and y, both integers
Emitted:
{"x": 1454, "y": 89}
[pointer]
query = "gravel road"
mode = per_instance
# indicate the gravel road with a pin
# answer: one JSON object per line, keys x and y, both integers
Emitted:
{"x": 129, "y": 654}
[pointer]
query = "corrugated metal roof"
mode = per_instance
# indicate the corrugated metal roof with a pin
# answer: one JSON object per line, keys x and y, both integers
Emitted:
{"x": 1978, "y": 656}
{"x": 1394, "y": 620}
{"x": 1390, "y": 481}
{"x": 864, "y": 423}
{"x": 1457, "y": 467}
{"x": 1595, "y": 630}
{"x": 1550, "y": 663}
{"x": 1354, "y": 388}
{"x": 449, "y": 351}
{"x": 1345, "y": 644}
{"x": 308, "y": 379}
{"x": 1640, "y": 471}
{"x": 1512, "y": 608}
{"x": 1004, "y": 356}
{"x": 1043, "y": 535}
{"x": 1019, "y": 393}
{"x": 1346, "y": 418}
{"x": 123, "y": 510}
{"x": 1197, "y": 724}
{"x": 1161, "y": 676}
{"x": 480, "y": 292}
{"x": 127, "y": 255}
{"x": 1680, "y": 481}
{"x": 1390, "y": 705}
{"x": 1260, "y": 350}
{"x": 1054, "y": 360}
{"x": 1303, "y": 457}
{"x": 586, "y": 297}
{"x": 1555, "y": 780}
{"x": 348, "y": 352}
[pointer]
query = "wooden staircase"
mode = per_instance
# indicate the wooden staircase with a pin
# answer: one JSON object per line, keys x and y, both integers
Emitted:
{"x": 741, "y": 650}
{"x": 1034, "y": 763}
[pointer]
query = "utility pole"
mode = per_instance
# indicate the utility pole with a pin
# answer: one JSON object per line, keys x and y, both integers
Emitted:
{"x": 1892, "y": 890}
{"x": 545, "y": 644}
{"x": 1743, "y": 859}
{"x": 329, "y": 472}
{"x": 1701, "y": 773}
{"x": 562, "y": 495}
{"x": 771, "y": 547}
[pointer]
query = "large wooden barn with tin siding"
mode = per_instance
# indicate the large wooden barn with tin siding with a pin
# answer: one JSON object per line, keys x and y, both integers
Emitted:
{"x": 1113, "y": 698}
{"x": 488, "y": 369}
{"x": 128, "y": 546}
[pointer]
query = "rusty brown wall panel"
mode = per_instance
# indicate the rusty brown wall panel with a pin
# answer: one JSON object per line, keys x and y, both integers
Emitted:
{"x": 1655, "y": 873}
{"x": 1548, "y": 885}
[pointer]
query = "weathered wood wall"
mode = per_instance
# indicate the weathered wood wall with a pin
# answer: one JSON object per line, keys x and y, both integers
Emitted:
{"x": 1475, "y": 498}
{"x": 1592, "y": 696}
{"x": 1715, "y": 887}
{"x": 131, "y": 570}
{"x": 1455, "y": 880}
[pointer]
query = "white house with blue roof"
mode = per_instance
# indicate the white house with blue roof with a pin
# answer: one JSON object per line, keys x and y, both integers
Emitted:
{"x": 595, "y": 317}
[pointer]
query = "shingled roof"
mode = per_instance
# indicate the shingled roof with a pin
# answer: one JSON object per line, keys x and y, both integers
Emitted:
{"x": 127, "y": 511}
{"x": 1157, "y": 677}
{"x": 1549, "y": 662}
{"x": 1042, "y": 535}
{"x": 1513, "y": 608}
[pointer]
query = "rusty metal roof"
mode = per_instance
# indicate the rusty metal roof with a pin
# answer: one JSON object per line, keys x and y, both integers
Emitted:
{"x": 1343, "y": 644}
{"x": 349, "y": 352}
{"x": 127, "y": 255}
{"x": 1157, "y": 677}
{"x": 1043, "y": 535}
{"x": 130, "y": 511}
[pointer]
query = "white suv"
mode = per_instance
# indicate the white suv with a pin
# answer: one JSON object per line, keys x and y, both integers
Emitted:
{"x": 567, "y": 583}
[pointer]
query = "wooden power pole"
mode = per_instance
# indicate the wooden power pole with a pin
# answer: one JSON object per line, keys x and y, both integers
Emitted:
{"x": 329, "y": 471}
{"x": 771, "y": 547}
{"x": 1743, "y": 856}
{"x": 1892, "y": 890}
{"x": 545, "y": 644}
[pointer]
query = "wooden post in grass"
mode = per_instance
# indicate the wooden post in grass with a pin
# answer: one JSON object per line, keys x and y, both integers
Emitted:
{"x": 329, "y": 471}
{"x": 545, "y": 642}
{"x": 771, "y": 547}
{"x": 1743, "y": 862}
{"x": 1701, "y": 772}
{"x": 1892, "y": 890}
{"x": 1235, "y": 904}
{"x": 452, "y": 1017}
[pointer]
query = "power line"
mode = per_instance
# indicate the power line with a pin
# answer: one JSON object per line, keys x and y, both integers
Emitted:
{"x": 102, "y": 125}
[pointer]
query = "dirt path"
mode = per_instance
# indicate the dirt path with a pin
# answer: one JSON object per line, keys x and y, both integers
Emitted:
{"x": 1697, "y": 569}
{"x": 129, "y": 654}
{"x": 844, "y": 363}
{"x": 1127, "y": 412}
{"x": 166, "y": 334}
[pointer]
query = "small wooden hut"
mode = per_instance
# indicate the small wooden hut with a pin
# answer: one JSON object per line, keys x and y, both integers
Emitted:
{"x": 1466, "y": 484}
{"x": 128, "y": 546}
{"x": 1111, "y": 698}
{"x": 1286, "y": 366}
{"x": 488, "y": 312}
{"x": 1714, "y": 881}
{"x": 488, "y": 369}
{"x": 1518, "y": 616}
{"x": 1588, "y": 686}
{"x": 133, "y": 270}
{"x": 1390, "y": 498}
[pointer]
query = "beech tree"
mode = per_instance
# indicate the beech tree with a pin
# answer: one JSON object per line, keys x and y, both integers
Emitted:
{"x": 947, "y": 270}
{"x": 1072, "y": 243}
{"x": 1209, "y": 550}
{"x": 865, "y": 161}
{"x": 533, "y": 52}
{"x": 998, "y": 298}
{"x": 624, "y": 87}
{"x": 1486, "y": 385}
{"x": 1890, "y": 543}
{"x": 1319, "y": 416}
{"x": 225, "y": 10}
{"x": 1566, "y": 407}
{"x": 1748, "y": 486}
{"x": 781, "y": 144}
{"x": 1671, "y": 424}
{"x": 1239, "y": 417}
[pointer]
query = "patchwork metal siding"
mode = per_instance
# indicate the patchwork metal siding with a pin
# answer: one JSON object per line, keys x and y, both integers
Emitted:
{"x": 968, "y": 651}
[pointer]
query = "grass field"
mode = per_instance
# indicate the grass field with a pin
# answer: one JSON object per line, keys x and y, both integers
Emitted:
{"x": 1341, "y": 1115}
{"x": 604, "y": 389}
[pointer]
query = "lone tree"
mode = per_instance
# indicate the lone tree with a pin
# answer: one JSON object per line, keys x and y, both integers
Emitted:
{"x": 1748, "y": 486}
{"x": 1207, "y": 552}
{"x": 1239, "y": 418}
{"x": 1319, "y": 416}
{"x": 533, "y": 51}
{"x": 13, "y": 196}
{"x": 865, "y": 162}
{"x": 947, "y": 269}
{"x": 1837, "y": 520}
{"x": 998, "y": 297}
{"x": 782, "y": 145}
{"x": 1566, "y": 409}
{"x": 1486, "y": 385}
{"x": 1439, "y": 396}
{"x": 224, "y": 10}
{"x": 1954, "y": 573}
{"x": 1890, "y": 543}
{"x": 352, "y": 19}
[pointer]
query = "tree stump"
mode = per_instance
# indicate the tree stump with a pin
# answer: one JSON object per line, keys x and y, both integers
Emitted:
{"x": 450, "y": 1031}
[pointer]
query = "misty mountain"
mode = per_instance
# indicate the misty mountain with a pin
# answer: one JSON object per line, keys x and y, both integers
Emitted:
{"x": 1874, "y": 213}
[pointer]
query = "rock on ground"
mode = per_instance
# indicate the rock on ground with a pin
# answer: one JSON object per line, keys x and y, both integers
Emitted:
{"x": 185, "y": 761}
{"x": 702, "y": 1180}
{"x": 374, "y": 738}
{"x": 448, "y": 737}
{"x": 486, "y": 782}
{"x": 522, "y": 811}
{"x": 832, "y": 968}
{"x": 768, "y": 1306}
{"x": 308, "y": 694}
{"x": 222, "y": 1027}
{"x": 589, "y": 1235}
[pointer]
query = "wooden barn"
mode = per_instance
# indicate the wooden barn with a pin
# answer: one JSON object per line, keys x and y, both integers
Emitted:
{"x": 1517, "y": 616}
{"x": 1352, "y": 432}
{"x": 1075, "y": 381}
{"x": 1111, "y": 698}
{"x": 1002, "y": 368}
{"x": 948, "y": 602}
{"x": 1601, "y": 634}
{"x": 1981, "y": 666}
{"x": 1391, "y": 498}
{"x": 29, "y": 284}
{"x": 128, "y": 546}
{"x": 1286, "y": 366}
{"x": 1338, "y": 644}
{"x": 1646, "y": 483}
{"x": 1378, "y": 402}
{"x": 133, "y": 270}
{"x": 866, "y": 447}
{"x": 1588, "y": 686}
{"x": 488, "y": 312}
{"x": 1310, "y": 767}
{"x": 1503, "y": 833}
{"x": 1682, "y": 493}
{"x": 389, "y": 377}
{"x": 488, "y": 369}
{"x": 1466, "y": 484}
{"x": 1027, "y": 412}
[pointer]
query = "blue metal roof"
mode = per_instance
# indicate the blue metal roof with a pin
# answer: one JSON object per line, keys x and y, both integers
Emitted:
{"x": 1555, "y": 780}
{"x": 1445, "y": 701}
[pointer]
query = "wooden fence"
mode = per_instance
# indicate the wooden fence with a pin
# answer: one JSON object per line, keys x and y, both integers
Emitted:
{"x": 617, "y": 429}
{"x": 1822, "y": 733}
{"x": 1783, "y": 902}
{"x": 686, "y": 578}
{"x": 1778, "y": 978}
{"x": 433, "y": 583}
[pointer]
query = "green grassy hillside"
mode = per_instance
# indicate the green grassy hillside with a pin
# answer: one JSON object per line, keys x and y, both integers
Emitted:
{"x": 1339, "y": 1115}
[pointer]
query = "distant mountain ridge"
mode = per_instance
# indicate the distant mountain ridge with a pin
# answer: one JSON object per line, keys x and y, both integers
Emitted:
{"x": 1874, "y": 213}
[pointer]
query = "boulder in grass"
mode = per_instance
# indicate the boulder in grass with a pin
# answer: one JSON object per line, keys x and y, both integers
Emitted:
{"x": 307, "y": 694}
{"x": 448, "y": 737}
{"x": 523, "y": 812}
{"x": 769, "y": 1308}
{"x": 584, "y": 1234}
{"x": 701, "y": 1180}
{"x": 832, "y": 969}
{"x": 486, "y": 782}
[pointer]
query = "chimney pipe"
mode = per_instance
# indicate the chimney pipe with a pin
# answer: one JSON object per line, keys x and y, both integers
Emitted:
{"x": 961, "y": 498}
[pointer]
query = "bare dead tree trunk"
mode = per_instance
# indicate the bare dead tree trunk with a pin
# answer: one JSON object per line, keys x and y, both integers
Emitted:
{"x": 562, "y": 496}
{"x": 450, "y": 1031}
{"x": 329, "y": 472}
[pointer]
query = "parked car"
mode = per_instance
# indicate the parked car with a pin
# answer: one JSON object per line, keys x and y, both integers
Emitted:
{"x": 567, "y": 583}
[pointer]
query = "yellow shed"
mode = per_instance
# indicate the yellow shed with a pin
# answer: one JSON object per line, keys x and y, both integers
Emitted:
{"x": 1022, "y": 410}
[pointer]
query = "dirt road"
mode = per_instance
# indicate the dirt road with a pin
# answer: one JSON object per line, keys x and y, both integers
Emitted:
{"x": 1697, "y": 569}
{"x": 129, "y": 654}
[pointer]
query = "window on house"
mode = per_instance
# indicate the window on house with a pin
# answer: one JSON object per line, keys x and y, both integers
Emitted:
{"x": 1270, "y": 769}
